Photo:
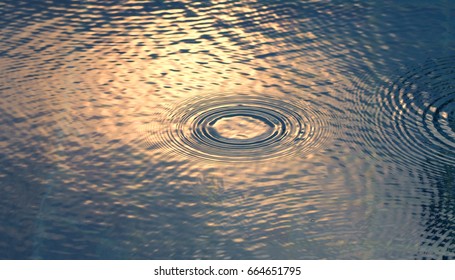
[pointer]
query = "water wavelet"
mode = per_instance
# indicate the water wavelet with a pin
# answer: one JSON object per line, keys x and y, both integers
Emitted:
{"x": 241, "y": 128}
{"x": 410, "y": 119}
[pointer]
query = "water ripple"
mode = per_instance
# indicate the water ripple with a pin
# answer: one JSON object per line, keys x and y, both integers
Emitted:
{"x": 411, "y": 119}
{"x": 241, "y": 127}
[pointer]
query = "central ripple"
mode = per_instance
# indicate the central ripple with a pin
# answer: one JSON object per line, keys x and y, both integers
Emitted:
{"x": 241, "y": 127}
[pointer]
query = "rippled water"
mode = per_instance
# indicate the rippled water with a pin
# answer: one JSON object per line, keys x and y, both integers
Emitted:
{"x": 413, "y": 115}
{"x": 240, "y": 127}
{"x": 227, "y": 129}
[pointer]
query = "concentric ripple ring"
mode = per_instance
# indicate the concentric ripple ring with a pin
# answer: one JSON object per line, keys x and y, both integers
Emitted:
{"x": 412, "y": 117}
{"x": 240, "y": 128}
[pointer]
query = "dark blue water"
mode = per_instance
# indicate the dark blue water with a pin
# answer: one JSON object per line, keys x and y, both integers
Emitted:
{"x": 227, "y": 129}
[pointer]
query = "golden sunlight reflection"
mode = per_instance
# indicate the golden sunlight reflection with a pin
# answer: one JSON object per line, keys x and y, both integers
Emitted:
{"x": 111, "y": 93}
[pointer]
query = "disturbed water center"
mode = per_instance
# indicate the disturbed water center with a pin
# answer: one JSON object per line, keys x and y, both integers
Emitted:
{"x": 241, "y": 127}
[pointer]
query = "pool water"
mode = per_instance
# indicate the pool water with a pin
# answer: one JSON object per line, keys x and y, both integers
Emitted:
{"x": 222, "y": 129}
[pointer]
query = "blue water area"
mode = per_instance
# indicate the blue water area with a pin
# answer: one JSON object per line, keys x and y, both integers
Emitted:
{"x": 222, "y": 129}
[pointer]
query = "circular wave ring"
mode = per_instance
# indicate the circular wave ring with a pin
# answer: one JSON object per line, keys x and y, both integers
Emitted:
{"x": 414, "y": 115}
{"x": 240, "y": 128}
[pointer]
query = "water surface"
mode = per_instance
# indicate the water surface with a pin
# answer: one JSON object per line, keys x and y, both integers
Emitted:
{"x": 254, "y": 129}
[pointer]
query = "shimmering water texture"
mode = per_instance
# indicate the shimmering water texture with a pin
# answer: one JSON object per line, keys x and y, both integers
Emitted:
{"x": 227, "y": 129}
{"x": 411, "y": 118}
{"x": 239, "y": 127}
